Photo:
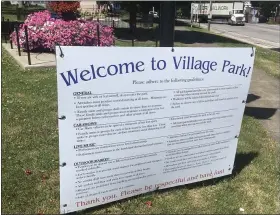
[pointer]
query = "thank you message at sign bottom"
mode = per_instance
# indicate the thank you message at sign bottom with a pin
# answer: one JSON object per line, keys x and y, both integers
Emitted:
{"x": 134, "y": 120}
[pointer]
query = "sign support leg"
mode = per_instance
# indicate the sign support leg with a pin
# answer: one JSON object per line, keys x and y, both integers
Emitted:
{"x": 167, "y": 23}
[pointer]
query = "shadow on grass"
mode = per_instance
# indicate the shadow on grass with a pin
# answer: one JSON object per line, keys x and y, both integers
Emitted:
{"x": 183, "y": 36}
{"x": 143, "y": 19}
{"x": 190, "y": 37}
{"x": 275, "y": 49}
{"x": 258, "y": 112}
{"x": 241, "y": 161}
{"x": 252, "y": 97}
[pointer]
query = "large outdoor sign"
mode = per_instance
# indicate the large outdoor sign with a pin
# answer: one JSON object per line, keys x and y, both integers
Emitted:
{"x": 134, "y": 120}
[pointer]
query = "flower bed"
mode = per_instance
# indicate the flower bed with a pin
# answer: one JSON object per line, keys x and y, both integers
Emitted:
{"x": 45, "y": 32}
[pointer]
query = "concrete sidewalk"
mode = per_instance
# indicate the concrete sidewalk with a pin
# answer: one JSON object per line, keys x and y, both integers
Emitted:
{"x": 263, "y": 102}
{"x": 38, "y": 60}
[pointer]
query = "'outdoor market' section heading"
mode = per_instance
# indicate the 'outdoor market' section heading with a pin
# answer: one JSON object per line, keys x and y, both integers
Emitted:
{"x": 75, "y": 76}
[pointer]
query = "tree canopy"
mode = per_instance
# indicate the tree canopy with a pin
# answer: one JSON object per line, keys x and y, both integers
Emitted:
{"x": 267, "y": 7}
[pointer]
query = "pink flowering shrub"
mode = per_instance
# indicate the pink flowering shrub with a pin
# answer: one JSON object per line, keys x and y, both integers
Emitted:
{"x": 45, "y": 32}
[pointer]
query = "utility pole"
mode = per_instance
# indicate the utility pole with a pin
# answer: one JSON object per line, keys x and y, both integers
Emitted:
{"x": 199, "y": 13}
{"x": 167, "y": 23}
{"x": 276, "y": 13}
{"x": 210, "y": 16}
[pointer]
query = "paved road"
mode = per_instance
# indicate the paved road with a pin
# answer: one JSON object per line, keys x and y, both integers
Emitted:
{"x": 265, "y": 32}
{"x": 267, "y": 36}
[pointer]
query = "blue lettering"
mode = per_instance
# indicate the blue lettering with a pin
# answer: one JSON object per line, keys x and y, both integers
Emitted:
{"x": 213, "y": 64}
{"x": 93, "y": 72}
{"x": 226, "y": 63}
{"x": 137, "y": 66}
{"x": 83, "y": 74}
{"x": 74, "y": 76}
{"x": 70, "y": 77}
{"x": 175, "y": 62}
{"x": 153, "y": 66}
{"x": 109, "y": 70}
{"x": 126, "y": 67}
{"x": 97, "y": 72}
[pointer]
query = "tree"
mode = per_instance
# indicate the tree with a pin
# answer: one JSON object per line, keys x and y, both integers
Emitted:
{"x": 267, "y": 7}
{"x": 26, "y": 3}
{"x": 184, "y": 8}
{"x": 141, "y": 7}
{"x": 131, "y": 7}
{"x": 104, "y": 4}
{"x": 6, "y": 3}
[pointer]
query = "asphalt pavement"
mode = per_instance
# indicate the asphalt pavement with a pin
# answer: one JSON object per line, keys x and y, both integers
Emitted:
{"x": 264, "y": 35}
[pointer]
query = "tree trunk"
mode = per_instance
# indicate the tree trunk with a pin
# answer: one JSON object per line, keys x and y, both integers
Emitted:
{"x": 132, "y": 16}
{"x": 19, "y": 10}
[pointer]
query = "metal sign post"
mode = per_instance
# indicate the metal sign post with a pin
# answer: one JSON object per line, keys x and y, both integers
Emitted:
{"x": 167, "y": 23}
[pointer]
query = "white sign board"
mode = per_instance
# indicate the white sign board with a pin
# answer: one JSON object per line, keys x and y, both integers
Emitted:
{"x": 133, "y": 120}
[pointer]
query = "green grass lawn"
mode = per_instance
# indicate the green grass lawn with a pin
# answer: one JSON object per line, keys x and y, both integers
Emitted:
{"x": 10, "y": 17}
{"x": 30, "y": 142}
{"x": 269, "y": 61}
